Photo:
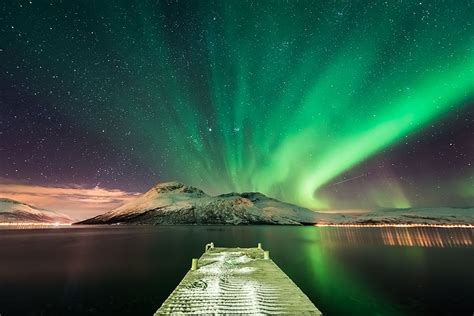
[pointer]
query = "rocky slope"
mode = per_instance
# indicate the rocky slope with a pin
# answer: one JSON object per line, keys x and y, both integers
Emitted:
{"x": 12, "y": 211}
{"x": 176, "y": 203}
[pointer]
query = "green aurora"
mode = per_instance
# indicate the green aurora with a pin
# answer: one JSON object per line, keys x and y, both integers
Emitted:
{"x": 293, "y": 104}
{"x": 280, "y": 97}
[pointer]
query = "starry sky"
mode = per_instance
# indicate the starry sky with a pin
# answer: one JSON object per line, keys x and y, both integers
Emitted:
{"x": 327, "y": 104}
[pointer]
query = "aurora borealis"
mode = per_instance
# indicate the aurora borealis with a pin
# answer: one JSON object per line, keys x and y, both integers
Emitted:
{"x": 326, "y": 104}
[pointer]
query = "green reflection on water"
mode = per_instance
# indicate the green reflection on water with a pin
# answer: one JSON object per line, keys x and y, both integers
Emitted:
{"x": 337, "y": 285}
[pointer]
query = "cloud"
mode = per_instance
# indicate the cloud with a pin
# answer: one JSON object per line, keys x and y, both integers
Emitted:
{"x": 77, "y": 201}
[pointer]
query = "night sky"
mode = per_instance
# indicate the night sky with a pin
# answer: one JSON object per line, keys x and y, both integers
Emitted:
{"x": 326, "y": 104}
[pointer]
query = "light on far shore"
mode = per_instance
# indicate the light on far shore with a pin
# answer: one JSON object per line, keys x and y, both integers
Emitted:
{"x": 398, "y": 225}
{"x": 56, "y": 224}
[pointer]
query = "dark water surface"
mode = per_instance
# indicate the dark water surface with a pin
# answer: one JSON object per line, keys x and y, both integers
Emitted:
{"x": 131, "y": 270}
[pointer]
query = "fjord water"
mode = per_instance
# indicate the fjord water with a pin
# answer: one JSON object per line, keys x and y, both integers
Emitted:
{"x": 131, "y": 270}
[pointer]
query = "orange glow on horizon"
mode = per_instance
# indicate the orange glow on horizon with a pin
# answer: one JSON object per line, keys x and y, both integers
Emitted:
{"x": 33, "y": 224}
{"x": 76, "y": 201}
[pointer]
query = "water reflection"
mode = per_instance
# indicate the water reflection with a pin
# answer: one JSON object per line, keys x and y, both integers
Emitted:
{"x": 112, "y": 270}
{"x": 343, "y": 291}
{"x": 400, "y": 236}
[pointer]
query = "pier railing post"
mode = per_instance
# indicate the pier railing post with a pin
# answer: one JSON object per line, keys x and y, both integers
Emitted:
{"x": 209, "y": 246}
{"x": 194, "y": 264}
{"x": 266, "y": 255}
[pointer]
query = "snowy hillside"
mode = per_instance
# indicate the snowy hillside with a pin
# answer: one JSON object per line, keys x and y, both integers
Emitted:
{"x": 176, "y": 203}
{"x": 425, "y": 216}
{"x": 12, "y": 211}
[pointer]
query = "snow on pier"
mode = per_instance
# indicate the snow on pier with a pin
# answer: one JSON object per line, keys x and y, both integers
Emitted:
{"x": 236, "y": 281}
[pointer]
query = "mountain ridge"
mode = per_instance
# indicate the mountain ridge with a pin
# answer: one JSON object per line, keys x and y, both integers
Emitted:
{"x": 13, "y": 211}
{"x": 176, "y": 203}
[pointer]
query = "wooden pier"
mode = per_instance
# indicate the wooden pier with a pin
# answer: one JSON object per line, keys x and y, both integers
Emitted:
{"x": 236, "y": 281}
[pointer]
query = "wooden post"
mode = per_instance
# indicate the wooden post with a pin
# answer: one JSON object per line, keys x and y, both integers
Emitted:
{"x": 194, "y": 264}
{"x": 209, "y": 246}
{"x": 266, "y": 255}
{"x": 259, "y": 245}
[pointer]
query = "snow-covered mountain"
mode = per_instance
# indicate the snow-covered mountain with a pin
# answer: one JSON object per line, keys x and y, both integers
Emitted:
{"x": 12, "y": 211}
{"x": 425, "y": 216}
{"x": 176, "y": 203}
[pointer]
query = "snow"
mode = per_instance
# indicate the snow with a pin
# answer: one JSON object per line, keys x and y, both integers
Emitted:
{"x": 426, "y": 216}
{"x": 12, "y": 211}
{"x": 176, "y": 203}
{"x": 237, "y": 281}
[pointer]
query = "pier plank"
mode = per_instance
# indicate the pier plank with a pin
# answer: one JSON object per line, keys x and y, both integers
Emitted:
{"x": 237, "y": 281}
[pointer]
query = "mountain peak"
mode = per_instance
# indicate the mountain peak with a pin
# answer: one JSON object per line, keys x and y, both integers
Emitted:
{"x": 176, "y": 203}
{"x": 175, "y": 186}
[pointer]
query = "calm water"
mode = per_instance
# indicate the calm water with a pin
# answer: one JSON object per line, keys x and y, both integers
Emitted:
{"x": 131, "y": 270}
